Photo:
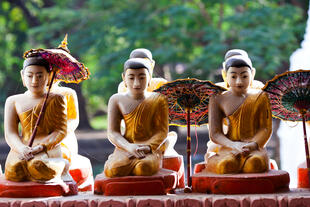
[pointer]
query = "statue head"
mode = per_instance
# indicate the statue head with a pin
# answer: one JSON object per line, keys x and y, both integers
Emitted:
{"x": 35, "y": 74}
{"x": 239, "y": 73}
{"x": 136, "y": 75}
{"x": 143, "y": 53}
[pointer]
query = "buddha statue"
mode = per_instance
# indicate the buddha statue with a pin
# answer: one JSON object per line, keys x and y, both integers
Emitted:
{"x": 139, "y": 150}
{"x": 246, "y": 113}
{"x": 43, "y": 162}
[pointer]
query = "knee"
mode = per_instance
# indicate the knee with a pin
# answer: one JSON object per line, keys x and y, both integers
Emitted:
{"x": 16, "y": 173}
{"x": 38, "y": 170}
{"x": 146, "y": 168}
{"x": 114, "y": 170}
{"x": 256, "y": 164}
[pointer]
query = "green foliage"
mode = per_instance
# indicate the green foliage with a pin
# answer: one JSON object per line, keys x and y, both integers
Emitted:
{"x": 194, "y": 34}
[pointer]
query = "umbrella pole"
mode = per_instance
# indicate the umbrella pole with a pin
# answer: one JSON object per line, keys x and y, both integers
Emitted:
{"x": 188, "y": 150}
{"x": 306, "y": 146}
{"x": 34, "y": 132}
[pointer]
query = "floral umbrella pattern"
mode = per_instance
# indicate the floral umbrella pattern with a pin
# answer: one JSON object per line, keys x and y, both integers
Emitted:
{"x": 289, "y": 94}
{"x": 189, "y": 93}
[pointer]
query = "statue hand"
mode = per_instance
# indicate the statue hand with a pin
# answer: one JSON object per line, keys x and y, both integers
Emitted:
{"x": 26, "y": 153}
{"x": 251, "y": 146}
{"x": 136, "y": 150}
{"x": 37, "y": 149}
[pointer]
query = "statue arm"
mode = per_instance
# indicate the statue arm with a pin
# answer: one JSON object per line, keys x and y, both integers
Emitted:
{"x": 263, "y": 112}
{"x": 114, "y": 123}
{"x": 11, "y": 126}
{"x": 161, "y": 124}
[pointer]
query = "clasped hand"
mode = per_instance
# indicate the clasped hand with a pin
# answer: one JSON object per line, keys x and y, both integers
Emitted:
{"x": 139, "y": 150}
{"x": 27, "y": 153}
{"x": 244, "y": 148}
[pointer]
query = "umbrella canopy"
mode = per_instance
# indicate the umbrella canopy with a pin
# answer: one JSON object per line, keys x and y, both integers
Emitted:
{"x": 192, "y": 94}
{"x": 188, "y": 103}
{"x": 67, "y": 68}
{"x": 289, "y": 95}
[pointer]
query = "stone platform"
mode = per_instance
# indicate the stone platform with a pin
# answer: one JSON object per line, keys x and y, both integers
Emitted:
{"x": 293, "y": 198}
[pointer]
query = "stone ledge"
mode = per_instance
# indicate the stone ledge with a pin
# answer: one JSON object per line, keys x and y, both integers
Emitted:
{"x": 296, "y": 197}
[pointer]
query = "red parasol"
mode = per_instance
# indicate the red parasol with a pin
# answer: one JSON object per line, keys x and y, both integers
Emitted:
{"x": 188, "y": 101}
{"x": 64, "y": 68}
{"x": 289, "y": 95}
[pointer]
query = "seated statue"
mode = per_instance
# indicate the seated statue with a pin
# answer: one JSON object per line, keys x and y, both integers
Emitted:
{"x": 43, "y": 161}
{"x": 246, "y": 113}
{"x": 139, "y": 151}
{"x": 255, "y": 84}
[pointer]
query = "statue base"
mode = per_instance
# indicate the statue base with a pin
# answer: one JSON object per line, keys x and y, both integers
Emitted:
{"x": 245, "y": 183}
{"x": 175, "y": 163}
{"x": 302, "y": 176}
{"x": 31, "y": 189}
{"x": 159, "y": 184}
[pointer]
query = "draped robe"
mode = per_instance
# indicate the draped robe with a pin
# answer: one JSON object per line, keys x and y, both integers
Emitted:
{"x": 146, "y": 124}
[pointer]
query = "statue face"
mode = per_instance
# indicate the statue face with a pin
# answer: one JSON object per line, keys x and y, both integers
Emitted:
{"x": 239, "y": 79}
{"x": 35, "y": 78}
{"x": 137, "y": 80}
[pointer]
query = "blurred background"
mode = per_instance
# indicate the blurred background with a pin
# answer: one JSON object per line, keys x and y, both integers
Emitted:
{"x": 188, "y": 38}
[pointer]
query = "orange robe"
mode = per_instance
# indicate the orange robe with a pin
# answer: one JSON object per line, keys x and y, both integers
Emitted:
{"x": 43, "y": 166}
{"x": 243, "y": 124}
{"x": 146, "y": 124}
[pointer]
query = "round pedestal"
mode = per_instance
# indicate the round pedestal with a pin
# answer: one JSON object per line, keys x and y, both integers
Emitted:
{"x": 33, "y": 189}
{"x": 246, "y": 183}
{"x": 159, "y": 184}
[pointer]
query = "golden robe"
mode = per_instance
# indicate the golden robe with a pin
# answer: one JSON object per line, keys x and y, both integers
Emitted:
{"x": 69, "y": 145}
{"x": 45, "y": 165}
{"x": 154, "y": 84}
{"x": 146, "y": 124}
{"x": 243, "y": 124}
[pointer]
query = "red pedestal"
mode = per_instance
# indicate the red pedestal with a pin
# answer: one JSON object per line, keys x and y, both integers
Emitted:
{"x": 159, "y": 184}
{"x": 246, "y": 183}
{"x": 302, "y": 176}
{"x": 33, "y": 189}
{"x": 176, "y": 164}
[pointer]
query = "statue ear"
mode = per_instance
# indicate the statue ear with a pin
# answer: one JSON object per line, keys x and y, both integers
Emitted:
{"x": 123, "y": 77}
{"x": 22, "y": 75}
{"x": 224, "y": 76}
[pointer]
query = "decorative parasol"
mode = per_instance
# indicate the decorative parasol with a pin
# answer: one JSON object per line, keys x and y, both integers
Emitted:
{"x": 289, "y": 95}
{"x": 64, "y": 68}
{"x": 188, "y": 101}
